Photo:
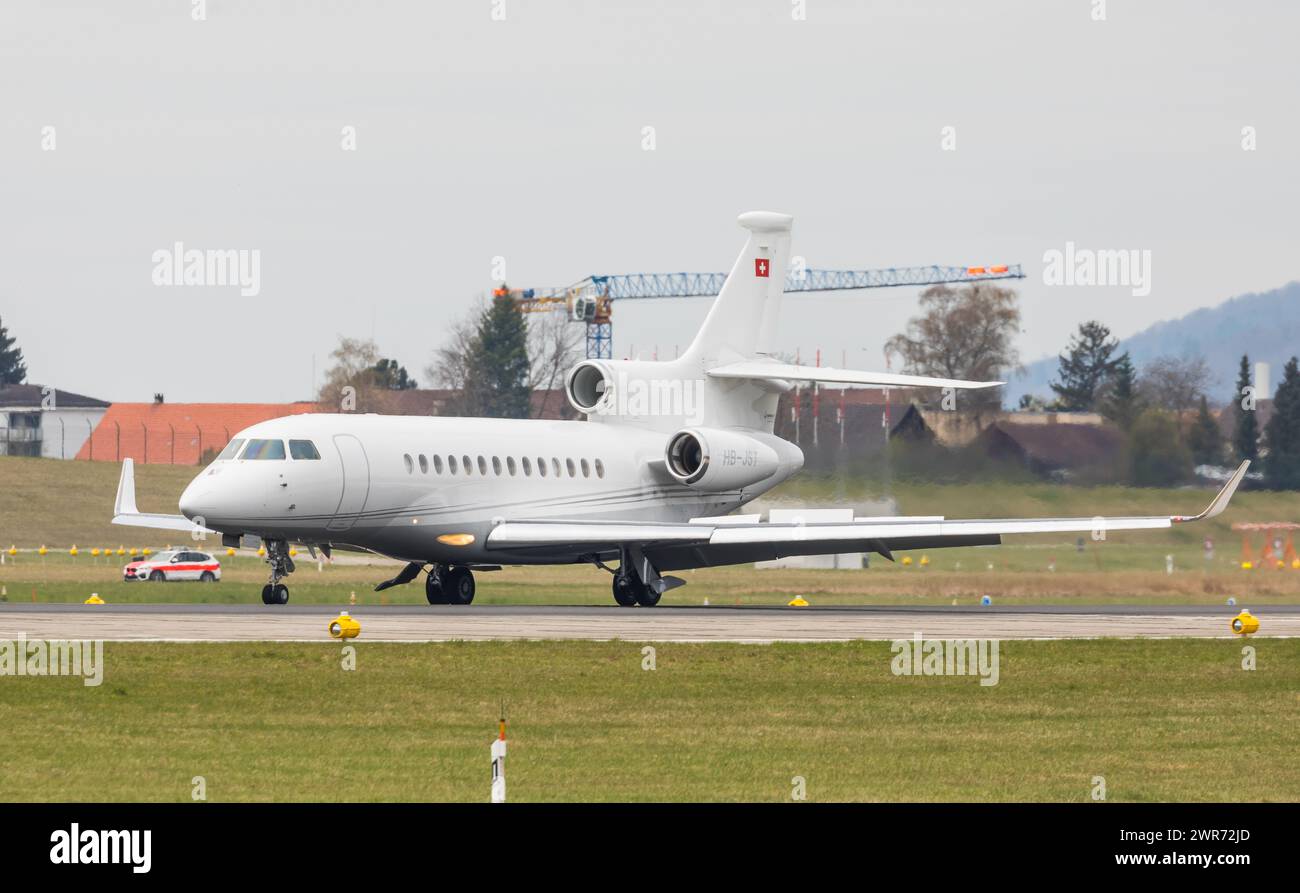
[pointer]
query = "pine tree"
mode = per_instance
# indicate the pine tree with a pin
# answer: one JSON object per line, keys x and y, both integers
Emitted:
{"x": 12, "y": 368}
{"x": 1245, "y": 438}
{"x": 1085, "y": 367}
{"x": 1205, "y": 439}
{"x": 1121, "y": 404}
{"x": 1282, "y": 434}
{"x": 496, "y": 383}
{"x": 392, "y": 375}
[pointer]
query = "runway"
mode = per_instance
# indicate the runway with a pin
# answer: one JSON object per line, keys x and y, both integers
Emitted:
{"x": 412, "y": 623}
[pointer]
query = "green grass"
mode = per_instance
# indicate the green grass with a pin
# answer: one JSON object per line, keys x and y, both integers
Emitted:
{"x": 59, "y": 503}
{"x": 1160, "y": 720}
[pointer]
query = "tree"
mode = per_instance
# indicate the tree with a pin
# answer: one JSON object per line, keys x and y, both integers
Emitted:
{"x": 1120, "y": 401}
{"x": 1084, "y": 367}
{"x": 12, "y": 368}
{"x": 554, "y": 347}
{"x": 390, "y": 375}
{"x": 962, "y": 333}
{"x": 1175, "y": 383}
{"x": 1157, "y": 456}
{"x": 496, "y": 368}
{"x": 1205, "y": 440}
{"x": 1282, "y": 434}
{"x": 1245, "y": 436}
{"x": 354, "y": 367}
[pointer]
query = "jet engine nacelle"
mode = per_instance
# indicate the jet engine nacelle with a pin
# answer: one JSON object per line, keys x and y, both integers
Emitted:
{"x": 634, "y": 389}
{"x": 718, "y": 459}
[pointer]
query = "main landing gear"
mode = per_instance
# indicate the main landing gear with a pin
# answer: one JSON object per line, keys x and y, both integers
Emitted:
{"x": 449, "y": 585}
{"x": 636, "y": 582}
{"x": 277, "y": 556}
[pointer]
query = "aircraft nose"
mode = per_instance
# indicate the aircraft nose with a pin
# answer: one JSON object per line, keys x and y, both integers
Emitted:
{"x": 193, "y": 502}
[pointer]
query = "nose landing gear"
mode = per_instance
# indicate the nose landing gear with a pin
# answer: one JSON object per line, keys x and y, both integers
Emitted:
{"x": 277, "y": 556}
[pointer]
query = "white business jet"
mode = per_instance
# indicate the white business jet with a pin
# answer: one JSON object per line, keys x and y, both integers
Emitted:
{"x": 647, "y": 481}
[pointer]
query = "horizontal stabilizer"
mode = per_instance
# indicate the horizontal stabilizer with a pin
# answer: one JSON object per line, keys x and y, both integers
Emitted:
{"x": 771, "y": 371}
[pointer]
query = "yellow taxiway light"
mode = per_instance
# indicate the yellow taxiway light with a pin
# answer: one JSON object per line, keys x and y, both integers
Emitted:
{"x": 73, "y": 551}
{"x": 456, "y": 539}
{"x": 41, "y": 551}
{"x": 344, "y": 626}
{"x": 94, "y": 599}
{"x": 907, "y": 561}
{"x": 798, "y": 602}
{"x": 1245, "y": 623}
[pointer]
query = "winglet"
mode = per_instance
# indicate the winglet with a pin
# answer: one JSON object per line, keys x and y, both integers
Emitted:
{"x": 125, "y": 503}
{"x": 1220, "y": 501}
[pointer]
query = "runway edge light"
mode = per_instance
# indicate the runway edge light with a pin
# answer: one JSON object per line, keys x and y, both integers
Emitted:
{"x": 344, "y": 626}
{"x": 1245, "y": 623}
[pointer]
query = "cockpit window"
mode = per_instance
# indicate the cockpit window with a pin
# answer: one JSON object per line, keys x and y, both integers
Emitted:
{"x": 303, "y": 449}
{"x": 264, "y": 449}
{"x": 231, "y": 450}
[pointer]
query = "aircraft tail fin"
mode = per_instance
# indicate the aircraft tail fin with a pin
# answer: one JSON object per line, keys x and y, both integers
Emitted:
{"x": 742, "y": 321}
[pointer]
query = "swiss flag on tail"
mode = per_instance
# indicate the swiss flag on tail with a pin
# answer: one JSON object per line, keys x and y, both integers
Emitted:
{"x": 760, "y": 266}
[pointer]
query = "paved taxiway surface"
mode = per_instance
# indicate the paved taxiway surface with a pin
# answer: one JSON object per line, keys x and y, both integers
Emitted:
{"x": 419, "y": 623}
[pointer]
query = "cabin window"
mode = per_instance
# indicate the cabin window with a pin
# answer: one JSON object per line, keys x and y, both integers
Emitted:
{"x": 600, "y": 469}
{"x": 555, "y": 466}
{"x": 410, "y": 466}
{"x": 586, "y": 469}
{"x": 437, "y": 464}
{"x": 528, "y": 467}
{"x": 451, "y": 464}
{"x": 510, "y": 465}
{"x": 231, "y": 449}
{"x": 303, "y": 449}
{"x": 264, "y": 449}
{"x": 424, "y": 464}
{"x": 568, "y": 463}
{"x": 469, "y": 466}
{"x": 496, "y": 465}
{"x": 482, "y": 465}
{"x": 541, "y": 466}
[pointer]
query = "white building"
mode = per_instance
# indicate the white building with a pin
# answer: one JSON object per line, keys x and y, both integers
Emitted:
{"x": 36, "y": 420}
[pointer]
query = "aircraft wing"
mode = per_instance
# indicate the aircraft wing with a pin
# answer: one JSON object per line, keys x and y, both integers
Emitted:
{"x": 712, "y": 541}
{"x": 125, "y": 512}
{"x": 773, "y": 371}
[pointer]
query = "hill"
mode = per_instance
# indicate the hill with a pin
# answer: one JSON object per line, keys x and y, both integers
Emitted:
{"x": 1266, "y": 326}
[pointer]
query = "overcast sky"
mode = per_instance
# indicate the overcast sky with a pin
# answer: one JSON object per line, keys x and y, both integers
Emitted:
{"x": 523, "y": 139}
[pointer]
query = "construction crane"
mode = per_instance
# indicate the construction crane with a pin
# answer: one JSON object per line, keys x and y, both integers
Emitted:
{"x": 590, "y": 300}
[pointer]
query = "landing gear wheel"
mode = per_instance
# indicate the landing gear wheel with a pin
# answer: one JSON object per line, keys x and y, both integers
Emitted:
{"x": 279, "y": 594}
{"x": 625, "y": 588}
{"x": 459, "y": 586}
{"x": 266, "y": 594}
{"x": 647, "y": 597}
{"x": 433, "y": 588}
